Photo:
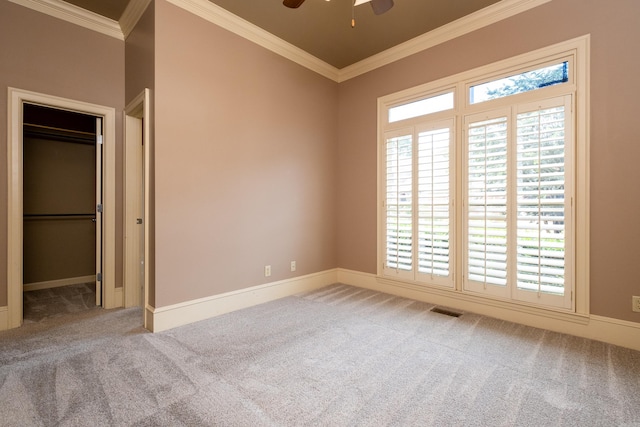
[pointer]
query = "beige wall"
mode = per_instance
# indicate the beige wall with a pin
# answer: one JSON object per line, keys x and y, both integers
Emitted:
{"x": 615, "y": 67}
{"x": 245, "y": 149}
{"x": 140, "y": 56}
{"x": 259, "y": 161}
{"x": 43, "y": 54}
{"x": 140, "y": 75}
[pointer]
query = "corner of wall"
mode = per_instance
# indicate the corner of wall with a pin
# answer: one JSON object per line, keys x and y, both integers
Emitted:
{"x": 163, "y": 318}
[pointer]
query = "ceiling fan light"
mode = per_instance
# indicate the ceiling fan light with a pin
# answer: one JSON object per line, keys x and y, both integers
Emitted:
{"x": 381, "y": 6}
{"x": 293, "y": 4}
{"x": 359, "y": 2}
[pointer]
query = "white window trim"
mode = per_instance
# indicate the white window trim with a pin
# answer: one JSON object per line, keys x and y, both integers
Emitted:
{"x": 577, "y": 50}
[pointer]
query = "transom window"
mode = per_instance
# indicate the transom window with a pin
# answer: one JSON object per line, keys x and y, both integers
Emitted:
{"x": 422, "y": 107}
{"x": 485, "y": 196}
{"x": 523, "y": 82}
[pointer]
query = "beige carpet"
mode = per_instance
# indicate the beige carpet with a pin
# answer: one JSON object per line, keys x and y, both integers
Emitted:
{"x": 42, "y": 304}
{"x": 340, "y": 356}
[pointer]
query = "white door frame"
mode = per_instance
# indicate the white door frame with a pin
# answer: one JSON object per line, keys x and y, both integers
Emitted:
{"x": 99, "y": 202}
{"x": 17, "y": 98}
{"x": 137, "y": 131}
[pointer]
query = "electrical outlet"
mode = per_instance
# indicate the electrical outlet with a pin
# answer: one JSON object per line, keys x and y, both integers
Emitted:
{"x": 635, "y": 301}
{"x": 267, "y": 270}
{"x": 293, "y": 266}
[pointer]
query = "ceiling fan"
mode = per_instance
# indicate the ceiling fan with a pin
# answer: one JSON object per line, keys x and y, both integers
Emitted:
{"x": 379, "y": 6}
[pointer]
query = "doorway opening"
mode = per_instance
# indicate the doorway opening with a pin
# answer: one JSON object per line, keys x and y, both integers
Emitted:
{"x": 62, "y": 212}
{"x": 104, "y": 253}
{"x": 137, "y": 149}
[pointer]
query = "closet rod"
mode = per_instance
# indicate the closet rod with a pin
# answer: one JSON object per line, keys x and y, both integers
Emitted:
{"x": 60, "y": 216}
{"x": 88, "y": 134}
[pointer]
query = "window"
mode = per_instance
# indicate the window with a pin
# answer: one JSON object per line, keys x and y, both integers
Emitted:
{"x": 399, "y": 206}
{"x": 542, "y": 192}
{"x": 429, "y": 105}
{"x": 418, "y": 183}
{"x": 523, "y": 82}
{"x": 518, "y": 210}
{"x": 513, "y": 159}
{"x": 434, "y": 188}
{"x": 487, "y": 202}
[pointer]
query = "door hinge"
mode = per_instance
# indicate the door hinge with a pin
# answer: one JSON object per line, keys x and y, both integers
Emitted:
{"x": 99, "y": 207}
{"x": 99, "y": 277}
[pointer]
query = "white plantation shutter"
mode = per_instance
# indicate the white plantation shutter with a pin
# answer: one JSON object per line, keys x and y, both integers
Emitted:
{"x": 434, "y": 199}
{"x": 518, "y": 212}
{"x": 487, "y": 203}
{"x": 543, "y": 205}
{"x": 483, "y": 182}
{"x": 399, "y": 203}
{"x": 417, "y": 206}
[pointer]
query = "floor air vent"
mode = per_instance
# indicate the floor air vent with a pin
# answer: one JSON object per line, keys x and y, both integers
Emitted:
{"x": 446, "y": 312}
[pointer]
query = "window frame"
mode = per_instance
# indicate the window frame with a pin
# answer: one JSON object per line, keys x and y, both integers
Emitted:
{"x": 576, "y": 52}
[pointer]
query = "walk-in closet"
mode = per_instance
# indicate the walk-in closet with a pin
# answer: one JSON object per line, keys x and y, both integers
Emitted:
{"x": 59, "y": 208}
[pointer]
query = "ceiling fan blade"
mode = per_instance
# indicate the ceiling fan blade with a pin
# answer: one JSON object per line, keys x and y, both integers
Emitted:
{"x": 292, "y": 3}
{"x": 381, "y": 6}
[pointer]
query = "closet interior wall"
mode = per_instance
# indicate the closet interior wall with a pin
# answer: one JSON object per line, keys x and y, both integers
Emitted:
{"x": 59, "y": 196}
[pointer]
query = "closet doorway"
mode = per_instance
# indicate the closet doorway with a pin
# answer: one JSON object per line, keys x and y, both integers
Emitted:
{"x": 62, "y": 211}
{"x": 108, "y": 296}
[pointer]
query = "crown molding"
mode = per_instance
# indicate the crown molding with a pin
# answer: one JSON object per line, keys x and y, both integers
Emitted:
{"x": 225, "y": 19}
{"x": 482, "y": 18}
{"x": 75, "y": 15}
{"x": 132, "y": 14}
{"x": 467, "y": 24}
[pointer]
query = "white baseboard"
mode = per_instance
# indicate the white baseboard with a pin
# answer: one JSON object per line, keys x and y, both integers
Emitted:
{"x": 58, "y": 283}
{"x": 148, "y": 318}
{"x": 600, "y": 328}
{"x": 612, "y": 331}
{"x": 168, "y": 317}
{"x": 118, "y": 296}
{"x": 113, "y": 297}
{"x": 4, "y": 318}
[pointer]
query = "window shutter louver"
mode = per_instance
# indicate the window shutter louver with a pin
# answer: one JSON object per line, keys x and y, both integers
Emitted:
{"x": 541, "y": 200}
{"x": 518, "y": 207}
{"x": 487, "y": 202}
{"x": 433, "y": 199}
{"x": 399, "y": 203}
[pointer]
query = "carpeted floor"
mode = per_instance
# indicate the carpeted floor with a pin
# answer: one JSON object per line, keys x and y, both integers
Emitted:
{"x": 339, "y": 356}
{"x": 42, "y": 304}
